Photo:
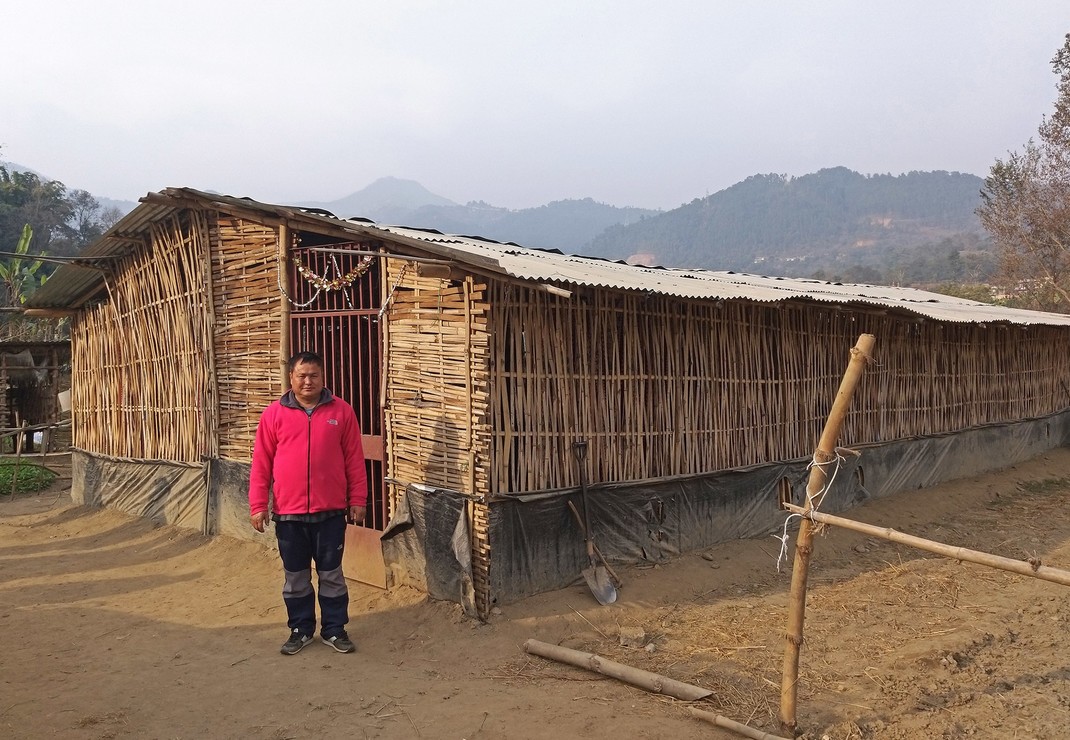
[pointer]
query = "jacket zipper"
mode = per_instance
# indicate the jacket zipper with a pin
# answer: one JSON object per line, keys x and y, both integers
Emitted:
{"x": 308, "y": 464}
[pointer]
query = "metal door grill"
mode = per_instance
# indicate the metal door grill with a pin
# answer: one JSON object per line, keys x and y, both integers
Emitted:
{"x": 342, "y": 325}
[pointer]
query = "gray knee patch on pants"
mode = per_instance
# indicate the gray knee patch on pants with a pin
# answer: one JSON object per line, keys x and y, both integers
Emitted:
{"x": 332, "y": 583}
{"x": 297, "y": 583}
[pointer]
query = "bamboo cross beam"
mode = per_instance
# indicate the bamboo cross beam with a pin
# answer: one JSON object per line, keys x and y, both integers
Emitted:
{"x": 1022, "y": 567}
{"x": 825, "y": 453}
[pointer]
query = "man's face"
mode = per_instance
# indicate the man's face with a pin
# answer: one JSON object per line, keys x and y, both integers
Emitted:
{"x": 306, "y": 381}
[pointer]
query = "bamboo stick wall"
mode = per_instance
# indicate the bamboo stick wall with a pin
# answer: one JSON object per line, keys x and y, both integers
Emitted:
{"x": 140, "y": 361}
{"x": 662, "y": 386}
{"x": 437, "y": 375}
{"x": 248, "y": 309}
{"x": 436, "y": 395}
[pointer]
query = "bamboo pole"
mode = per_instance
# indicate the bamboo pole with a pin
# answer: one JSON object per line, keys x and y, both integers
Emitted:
{"x": 210, "y": 324}
{"x": 18, "y": 459}
{"x": 652, "y": 682}
{"x": 470, "y": 455}
{"x": 730, "y": 724}
{"x": 284, "y": 305}
{"x": 824, "y": 454}
{"x": 1022, "y": 567}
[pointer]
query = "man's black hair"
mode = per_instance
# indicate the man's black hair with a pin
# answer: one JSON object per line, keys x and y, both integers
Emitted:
{"x": 308, "y": 358}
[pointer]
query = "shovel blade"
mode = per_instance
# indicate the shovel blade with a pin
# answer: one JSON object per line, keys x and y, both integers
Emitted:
{"x": 601, "y": 584}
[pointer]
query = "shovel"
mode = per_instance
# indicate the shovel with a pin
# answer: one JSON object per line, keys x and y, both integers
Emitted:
{"x": 597, "y": 574}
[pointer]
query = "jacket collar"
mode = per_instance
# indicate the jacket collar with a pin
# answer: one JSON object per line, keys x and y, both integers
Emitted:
{"x": 289, "y": 400}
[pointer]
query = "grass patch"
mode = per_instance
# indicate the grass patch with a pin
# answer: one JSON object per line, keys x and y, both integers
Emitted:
{"x": 31, "y": 478}
{"x": 1046, "y": 486}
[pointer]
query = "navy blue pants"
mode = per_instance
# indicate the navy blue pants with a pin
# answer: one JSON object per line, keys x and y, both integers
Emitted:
{"x": 301, "y": 544}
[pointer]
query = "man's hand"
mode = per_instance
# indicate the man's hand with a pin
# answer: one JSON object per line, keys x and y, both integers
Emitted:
{"x": 259, "y": 520}
{"x": 356, "y": 514}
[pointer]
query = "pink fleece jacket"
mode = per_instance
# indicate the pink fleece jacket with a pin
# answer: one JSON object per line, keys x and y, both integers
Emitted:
{"x": 310, "y": 462}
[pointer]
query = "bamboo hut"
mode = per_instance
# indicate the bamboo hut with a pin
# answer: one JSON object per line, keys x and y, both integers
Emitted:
{"x": 477, "y": 366}
{"x": 32, "y": 374}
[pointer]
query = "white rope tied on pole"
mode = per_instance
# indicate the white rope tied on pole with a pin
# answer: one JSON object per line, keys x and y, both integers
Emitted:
{"x": 814, "y": 501}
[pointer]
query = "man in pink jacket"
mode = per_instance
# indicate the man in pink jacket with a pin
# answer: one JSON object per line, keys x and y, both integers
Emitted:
{"x": 308, "y": 455}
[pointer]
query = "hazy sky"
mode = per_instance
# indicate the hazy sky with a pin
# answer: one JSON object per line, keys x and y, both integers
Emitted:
{"x": 513, "y": 102}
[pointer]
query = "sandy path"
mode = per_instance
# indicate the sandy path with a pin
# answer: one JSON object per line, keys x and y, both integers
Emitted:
{"x": 111, "y": 627}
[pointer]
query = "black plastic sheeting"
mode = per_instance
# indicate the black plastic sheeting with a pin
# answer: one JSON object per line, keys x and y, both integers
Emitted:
{"x": 923, "y": 462}
{"x": 229, "y": 485}
{"x": 428, "y": 545}
{"x": 536, "y": 544}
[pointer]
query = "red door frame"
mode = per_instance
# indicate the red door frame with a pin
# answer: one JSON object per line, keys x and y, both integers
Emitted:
{"x": 335, "y": 313}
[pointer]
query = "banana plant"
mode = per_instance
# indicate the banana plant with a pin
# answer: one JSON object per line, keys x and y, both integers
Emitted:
{"x": 22, "y": 275}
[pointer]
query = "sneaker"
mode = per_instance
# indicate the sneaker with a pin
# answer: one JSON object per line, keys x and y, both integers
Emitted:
{"x": 297, "y": 641}
{"x": 341, "y": 642}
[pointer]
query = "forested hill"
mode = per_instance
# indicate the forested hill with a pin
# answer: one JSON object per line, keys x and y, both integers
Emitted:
{"x": 771, "y": 221}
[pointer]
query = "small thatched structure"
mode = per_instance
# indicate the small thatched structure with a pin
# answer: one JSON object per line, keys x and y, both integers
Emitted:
{"x": 475, "y": 366}
{"x": 32, "y": 374}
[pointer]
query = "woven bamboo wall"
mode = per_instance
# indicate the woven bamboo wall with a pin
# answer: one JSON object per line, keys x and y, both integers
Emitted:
{"x": 140, "y": 361}
{"x": 436, "y": 408}
{"x": 661, "y": 386}
{"x": 436, "y": 399}
{"x": 248, "y": 308}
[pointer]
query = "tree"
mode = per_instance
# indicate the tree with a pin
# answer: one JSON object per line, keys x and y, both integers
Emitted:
{"x": 1026, "y": 207}
{"x": 63, "y": 222}
{"x": 20, "y": 276}
{"x": 42, "y": 211}
{"x": 26, "y": 199}
{"x": 87, "y": 223}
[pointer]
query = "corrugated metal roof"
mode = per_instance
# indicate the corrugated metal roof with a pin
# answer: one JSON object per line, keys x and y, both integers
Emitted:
{"x": 549, "y": 266}
{"x": 72, "y": 285}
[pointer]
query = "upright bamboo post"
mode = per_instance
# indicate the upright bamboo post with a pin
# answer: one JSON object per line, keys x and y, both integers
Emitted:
{"x": 19, "y": 438}
{"x": 284, "y": 309}
{"x": 212, "y": 402}
{"x": 800, "y": 572}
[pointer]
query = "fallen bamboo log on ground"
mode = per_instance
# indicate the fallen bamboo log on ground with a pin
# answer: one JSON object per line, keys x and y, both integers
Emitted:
{"x": 731, "y": 724}
{"x": 635, "y": 676}
{"x": 1023, "y": 567}
{"x": 652, "y": 682}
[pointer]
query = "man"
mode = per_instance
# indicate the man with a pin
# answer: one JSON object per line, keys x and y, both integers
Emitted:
{"x": 308, "y": 453}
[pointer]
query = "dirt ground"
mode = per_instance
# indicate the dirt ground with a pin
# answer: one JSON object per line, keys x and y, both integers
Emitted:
{"x": 112, "y": 627}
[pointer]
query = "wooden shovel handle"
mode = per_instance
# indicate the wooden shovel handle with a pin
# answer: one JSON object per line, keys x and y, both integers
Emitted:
{"x": 579, "y": 519}
{"x": 593, "y": 547}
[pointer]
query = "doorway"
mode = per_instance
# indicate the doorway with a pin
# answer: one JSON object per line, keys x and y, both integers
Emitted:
{"x": 336, "y": 297}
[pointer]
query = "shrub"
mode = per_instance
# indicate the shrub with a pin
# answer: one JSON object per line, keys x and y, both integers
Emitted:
{"x": 30, "y": 478}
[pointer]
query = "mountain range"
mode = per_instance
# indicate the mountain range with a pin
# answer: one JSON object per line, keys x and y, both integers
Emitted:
{"x": 568, "y": 225}
{"x": 830, "y": 221}
{"x": 775, "y": 224}
{"x": 786, "y": 225}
